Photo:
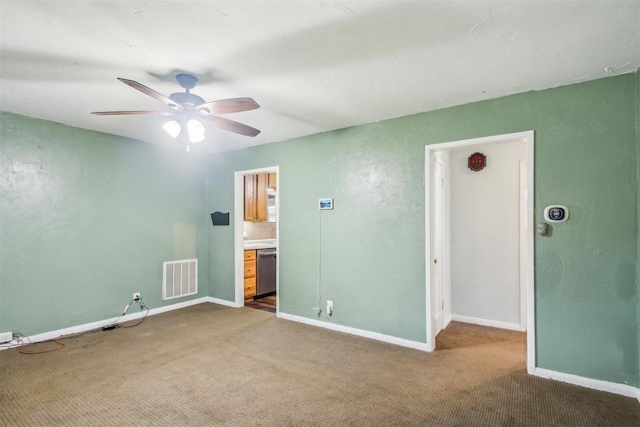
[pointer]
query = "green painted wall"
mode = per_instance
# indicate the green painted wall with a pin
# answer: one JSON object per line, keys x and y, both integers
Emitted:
{"x": 373, "y": 252}
{"x": 87, "y": 219}
{"x": 638, "y": 217}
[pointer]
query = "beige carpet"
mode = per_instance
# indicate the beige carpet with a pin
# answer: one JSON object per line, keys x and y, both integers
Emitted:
{"x": 213, "y": 365}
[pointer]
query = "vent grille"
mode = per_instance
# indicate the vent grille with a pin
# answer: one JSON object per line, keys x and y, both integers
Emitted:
{"x": 179, "y": 279}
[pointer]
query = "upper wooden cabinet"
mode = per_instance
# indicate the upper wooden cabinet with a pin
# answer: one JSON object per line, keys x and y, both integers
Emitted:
{"x": 271, "y": 181}
{"x": 255, "y": 197}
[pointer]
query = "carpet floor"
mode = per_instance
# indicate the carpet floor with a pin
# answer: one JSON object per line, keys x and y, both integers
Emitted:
{"x": 209, "y": 365}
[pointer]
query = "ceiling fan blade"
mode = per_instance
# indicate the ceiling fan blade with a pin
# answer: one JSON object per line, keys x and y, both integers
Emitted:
{"x": 152, "y": 93}
{"x": 126, "y": 113}
{"x": 225, "y": 106}
{"x": 232, "y": 126}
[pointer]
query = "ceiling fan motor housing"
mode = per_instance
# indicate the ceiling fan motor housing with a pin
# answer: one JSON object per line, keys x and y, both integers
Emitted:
{"x": 186, "y": 99}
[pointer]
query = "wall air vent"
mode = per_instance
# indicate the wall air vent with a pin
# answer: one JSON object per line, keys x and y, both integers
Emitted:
{"x": 179, "y": 278}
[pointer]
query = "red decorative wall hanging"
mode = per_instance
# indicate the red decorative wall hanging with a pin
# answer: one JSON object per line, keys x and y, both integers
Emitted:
{"x": 477, "y": 162}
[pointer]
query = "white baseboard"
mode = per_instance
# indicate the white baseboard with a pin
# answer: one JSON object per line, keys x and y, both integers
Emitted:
{"x": 355, "y": 331}
{"x": 622, "y": 389}
{"x": 485, "y": 322}
{"x": 100, "y": 323}
{"x": 224, "y": 302}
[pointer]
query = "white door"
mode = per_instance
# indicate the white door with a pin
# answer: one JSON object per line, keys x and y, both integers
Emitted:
{"x": 437, "y": 224}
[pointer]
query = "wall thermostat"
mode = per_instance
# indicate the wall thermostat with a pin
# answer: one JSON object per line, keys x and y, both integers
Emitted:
{"x": 325, "y": 204}
{"x": 556, "y": 213}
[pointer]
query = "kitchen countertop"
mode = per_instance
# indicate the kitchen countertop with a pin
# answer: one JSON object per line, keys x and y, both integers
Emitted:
{"x": 260, "y": 244}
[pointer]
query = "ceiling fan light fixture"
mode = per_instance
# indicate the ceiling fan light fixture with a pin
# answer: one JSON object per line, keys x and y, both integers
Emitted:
{"x": 173, "y": 128}
{"x": 196, "y": 138}
{"x": 196, "y": 130}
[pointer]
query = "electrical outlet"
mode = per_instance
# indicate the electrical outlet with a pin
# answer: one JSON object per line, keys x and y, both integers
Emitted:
{"x": 136, "y": 296}
{"x": 329, "y": 307}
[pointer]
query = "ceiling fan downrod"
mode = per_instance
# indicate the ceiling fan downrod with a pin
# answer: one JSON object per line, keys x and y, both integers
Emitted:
{"x": 187, "y": 99}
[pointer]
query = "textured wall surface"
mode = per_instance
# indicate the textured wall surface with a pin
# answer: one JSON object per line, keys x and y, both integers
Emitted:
{"x": 638, "y": 217}
{"x": 373, "y": 249}
{"x": 379, "y": 198}
{"x": 87, "y": 219}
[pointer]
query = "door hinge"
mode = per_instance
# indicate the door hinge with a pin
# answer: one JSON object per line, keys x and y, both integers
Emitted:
{"x": 443, "y": 304}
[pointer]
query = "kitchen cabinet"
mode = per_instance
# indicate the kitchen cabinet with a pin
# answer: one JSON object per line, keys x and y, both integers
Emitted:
{"x": 255, "y": 197}
{"x": 271, "y": 181}
{"x": 249, "y": 273}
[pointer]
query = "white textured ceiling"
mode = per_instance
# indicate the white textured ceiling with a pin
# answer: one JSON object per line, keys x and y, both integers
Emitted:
{"x": 313, "y": 66}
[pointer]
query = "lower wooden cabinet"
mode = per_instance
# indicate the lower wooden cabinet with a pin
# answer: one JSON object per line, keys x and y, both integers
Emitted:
{"x": 249, "y": 273}
{"x": 249, "y": 287}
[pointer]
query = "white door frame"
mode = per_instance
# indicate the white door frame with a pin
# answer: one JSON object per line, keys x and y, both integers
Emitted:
{"x": 238, "y": 222}
{"x": 528, "y": 138}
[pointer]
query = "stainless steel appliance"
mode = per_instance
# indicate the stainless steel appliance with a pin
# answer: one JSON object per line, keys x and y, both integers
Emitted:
{"x": 266, "y": 275}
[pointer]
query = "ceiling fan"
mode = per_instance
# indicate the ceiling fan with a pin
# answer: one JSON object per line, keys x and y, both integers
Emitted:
{"x": 189, "y": 109}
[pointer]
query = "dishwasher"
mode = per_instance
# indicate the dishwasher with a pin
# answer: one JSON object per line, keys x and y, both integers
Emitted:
{"x": 266, "y": 274}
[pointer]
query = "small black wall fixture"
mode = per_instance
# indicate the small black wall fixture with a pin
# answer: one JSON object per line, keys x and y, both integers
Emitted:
{"x": 219, "y": 218}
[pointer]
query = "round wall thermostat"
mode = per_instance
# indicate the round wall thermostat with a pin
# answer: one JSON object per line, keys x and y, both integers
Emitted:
{"x": 556, "y": 213}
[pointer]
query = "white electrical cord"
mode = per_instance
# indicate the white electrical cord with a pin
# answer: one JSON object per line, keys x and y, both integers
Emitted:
{"x": 115, "y": 323}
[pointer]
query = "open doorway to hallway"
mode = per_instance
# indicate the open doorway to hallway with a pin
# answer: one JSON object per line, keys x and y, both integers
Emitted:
{"x": 479, "y": 235}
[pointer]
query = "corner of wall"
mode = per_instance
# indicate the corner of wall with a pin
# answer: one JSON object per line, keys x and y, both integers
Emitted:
{"x": 637, "y": 81}
{"x": 207, "y": 186}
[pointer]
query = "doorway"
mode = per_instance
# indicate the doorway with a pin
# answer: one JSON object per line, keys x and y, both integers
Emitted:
{"x": 452, "y": 216}
{"x": 256, "y": 237}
